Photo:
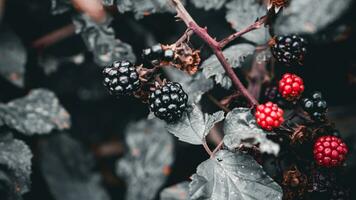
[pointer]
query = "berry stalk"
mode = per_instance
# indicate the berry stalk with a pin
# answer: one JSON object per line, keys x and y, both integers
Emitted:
{"x": 183, "y": 14}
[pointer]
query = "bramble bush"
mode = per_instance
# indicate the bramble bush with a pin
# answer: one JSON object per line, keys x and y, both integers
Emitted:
{"x": 91, "y": 116}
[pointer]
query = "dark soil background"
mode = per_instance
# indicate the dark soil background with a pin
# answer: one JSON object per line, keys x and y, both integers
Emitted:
{"x": 99, "y": 119}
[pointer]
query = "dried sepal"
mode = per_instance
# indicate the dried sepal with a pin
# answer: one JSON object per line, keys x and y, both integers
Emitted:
{"x": 276, "y": 5}
{"x": 186, "y": 58}
{"x": 294, "y": 183}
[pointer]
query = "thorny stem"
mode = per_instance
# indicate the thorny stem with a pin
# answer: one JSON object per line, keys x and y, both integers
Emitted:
{"x": 252, "y": 27}
{"x": 183, "y": 14}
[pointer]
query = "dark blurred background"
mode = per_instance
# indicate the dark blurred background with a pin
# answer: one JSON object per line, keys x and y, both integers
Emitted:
{"x": 99, "y": 119}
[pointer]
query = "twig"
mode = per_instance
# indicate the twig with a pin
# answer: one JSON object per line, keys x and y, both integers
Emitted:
{"x": 218, "y": 104}
{"x": 184, "y": 37}
{"x": 54, "y": 37}
{"x": 252, "y": 27}
{"x": 215, "y": 46}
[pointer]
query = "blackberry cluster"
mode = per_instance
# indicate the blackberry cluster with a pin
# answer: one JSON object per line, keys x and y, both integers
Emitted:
{"x": 315, "y": 106}
{"x": 289, "y": 50}
{"x": 157, "y": 53}
{"x": 168, "y": 102}
{"x": 121, "y": 78}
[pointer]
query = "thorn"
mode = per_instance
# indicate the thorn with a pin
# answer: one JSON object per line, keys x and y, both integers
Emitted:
{"x": 276, "y": 9}
{"x": 270, "y": 5}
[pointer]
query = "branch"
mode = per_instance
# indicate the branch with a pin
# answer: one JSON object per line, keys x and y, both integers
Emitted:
{"x": 215, "y": 46}
{"x": 252, "y": 27}
{"x": 54, "y": 37}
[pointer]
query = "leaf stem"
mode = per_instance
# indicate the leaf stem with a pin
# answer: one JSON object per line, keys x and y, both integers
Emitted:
{"x": 206, "y": 147}
{"x": 217, "y": 148}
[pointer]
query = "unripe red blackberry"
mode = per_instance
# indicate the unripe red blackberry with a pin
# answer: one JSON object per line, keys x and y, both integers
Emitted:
{"x": 121, "y": 78}
{"x": 289, "y": 50}
{"x": 291, "y": 87}
{"x": 168, "y": 102}
{"x": 269, "y": 116}
{"x": 329, "y": 151}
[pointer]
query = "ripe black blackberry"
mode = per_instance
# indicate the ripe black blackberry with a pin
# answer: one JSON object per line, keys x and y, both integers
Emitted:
{"x": 168, "y": 102}
{"x": 315, "y": 106}
{"x": 289, "y": 50}
{"x": 121, "y": 78}
{"x": 157, "y": 53}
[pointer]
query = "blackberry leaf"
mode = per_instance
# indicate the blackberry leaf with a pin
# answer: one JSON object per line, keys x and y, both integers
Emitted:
{"x": 179, "y": 191}
{"x": 232, "y": 176}
{"x": 100, "y": 40}
{"x": 67, "y": 169}
{"x": 235, "y": 55}
{"x": 37, "y": 113}
{"x": 209, "y": 4}
{"x": 149, "y": 156}
{"x": 240, "y": 128}
{"x": 15, "y": 158}
{"x": 241, "y": 13}
{"x": 194, "y": 125}
{"x": 142, "y": 7}
{"x": 309, "y": 16}
{"x": 13, "y": 57}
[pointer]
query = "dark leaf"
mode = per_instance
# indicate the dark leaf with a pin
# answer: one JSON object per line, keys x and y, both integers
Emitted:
{"x": 235, "y": 55}
{"x": 208, "y": 4}
{"x": 242, "y": 13}
{"x": 13, "y": 57}
{"x": 309, "y": 16}
{"x": 67, "y": 169}
{"x": 179, "y": 191}
{"x": 149, "y": 157}
{"x": 37, "y": 113}
{"x": 144, "y": 7}
{"x": 194, "y": 126}
{"x": 15, "y": 159}
{"x": 60, "y": 6}
{"x": 232, "y": 176}
{"x": 240, "y": 128}
{"x": 100, "y": 40}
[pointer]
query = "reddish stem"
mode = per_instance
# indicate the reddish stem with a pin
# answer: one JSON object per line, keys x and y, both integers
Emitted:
{"x": 252, "y": 27}
{"x": 215, "y": 46}
{"x": 54, "y": 37}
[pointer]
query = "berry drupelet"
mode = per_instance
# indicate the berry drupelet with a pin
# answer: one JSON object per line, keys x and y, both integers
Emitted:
{"x": 289, "y": 50}
{"x": 269, "y": 116}
{"x": 291, "y": 87}
{"x": 157, "y": 53}
{"x": 329, "y": 151}
{"x": 315, "y": 106}
{"x": 168, "y": 102}
{"x": 121, "y": 78}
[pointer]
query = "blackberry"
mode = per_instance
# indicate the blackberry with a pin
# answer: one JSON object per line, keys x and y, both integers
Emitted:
{"x": 168, "y": 102}
{"x": 289, "y": 50}
{"x": 121, "y": 78}
{"x": 315, "y": 106}
{"x": 157, "y": 53}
